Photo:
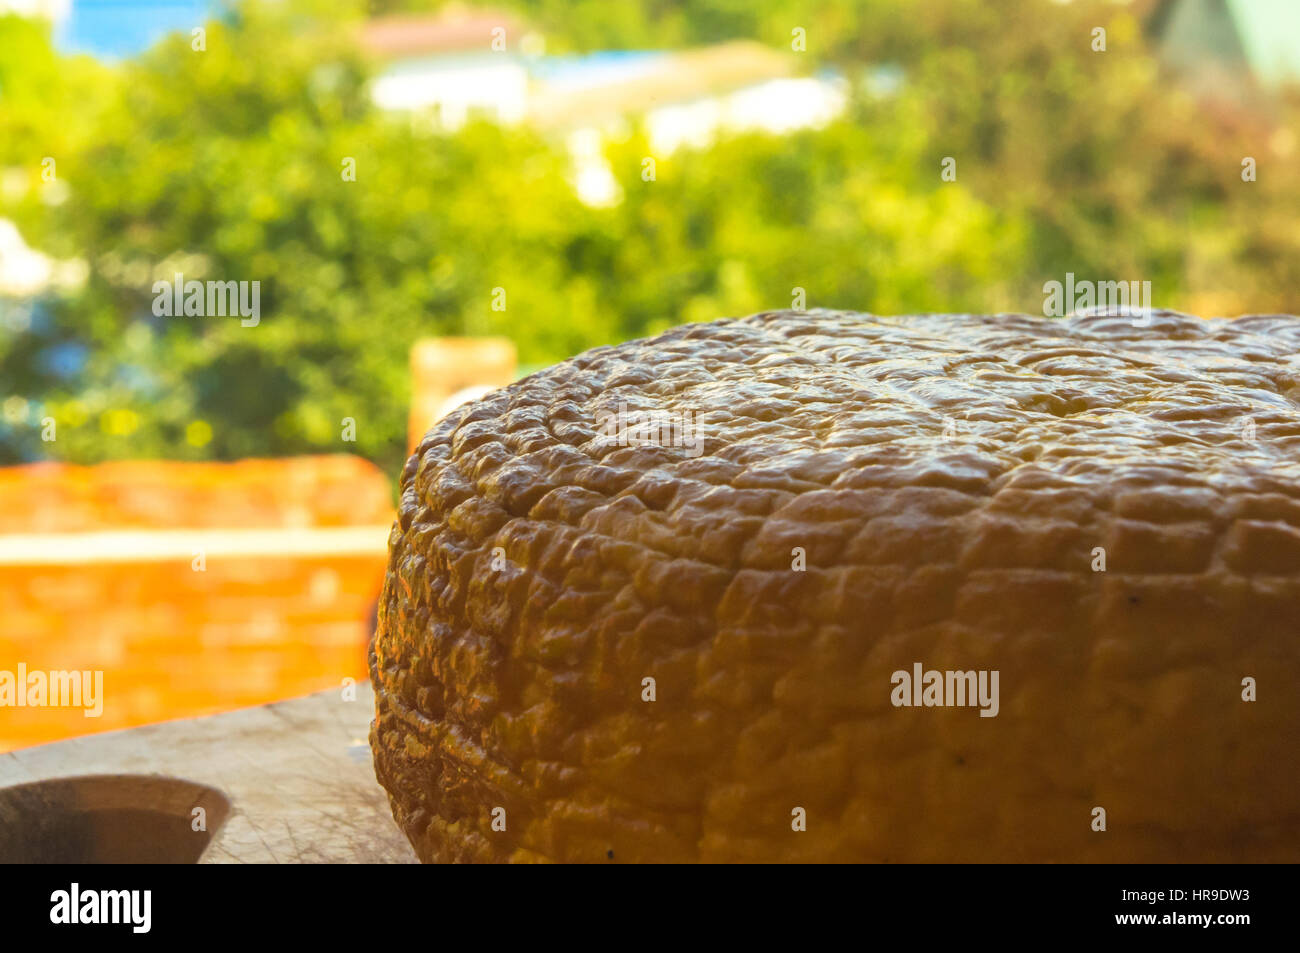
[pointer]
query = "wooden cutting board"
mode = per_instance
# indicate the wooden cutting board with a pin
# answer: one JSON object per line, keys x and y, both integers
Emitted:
{"x": 289, "y": 782}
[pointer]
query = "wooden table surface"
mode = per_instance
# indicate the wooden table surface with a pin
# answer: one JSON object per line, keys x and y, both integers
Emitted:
{"x": 297, "y": 774}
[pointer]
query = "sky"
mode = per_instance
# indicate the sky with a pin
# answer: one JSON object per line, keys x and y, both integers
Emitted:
{"x": 112, "y": 29}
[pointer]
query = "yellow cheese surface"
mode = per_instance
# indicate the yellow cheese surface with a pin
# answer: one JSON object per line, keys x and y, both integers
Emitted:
{"x": 771, "y": 517}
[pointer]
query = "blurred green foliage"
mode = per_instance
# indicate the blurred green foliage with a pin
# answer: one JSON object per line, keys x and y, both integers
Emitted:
{"x": 227, "y": 163}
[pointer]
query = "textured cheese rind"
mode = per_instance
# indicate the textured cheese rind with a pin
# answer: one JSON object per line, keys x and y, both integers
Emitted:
{"x": 949, "y": 478}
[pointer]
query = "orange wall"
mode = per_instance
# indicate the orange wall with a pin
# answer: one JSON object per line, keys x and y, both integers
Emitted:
{"x": 253, "y": 626}
{"x": 150, "y": 494}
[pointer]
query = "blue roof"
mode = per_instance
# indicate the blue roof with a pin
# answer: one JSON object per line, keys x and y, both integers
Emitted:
{"x": 597, "y": 69}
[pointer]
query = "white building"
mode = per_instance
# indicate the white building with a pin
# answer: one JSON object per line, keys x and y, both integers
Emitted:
{"x": 450, "y": 67}
{"x": 456, "y": 89}
{"x": 454, "y": 66}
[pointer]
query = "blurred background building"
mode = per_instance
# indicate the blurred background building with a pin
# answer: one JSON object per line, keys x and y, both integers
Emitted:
{"x": 1215, "y": 45}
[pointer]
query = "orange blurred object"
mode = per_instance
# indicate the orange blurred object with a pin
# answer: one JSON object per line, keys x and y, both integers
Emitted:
{"x": 193, "y": 587}
{"x": 446, "y": 372}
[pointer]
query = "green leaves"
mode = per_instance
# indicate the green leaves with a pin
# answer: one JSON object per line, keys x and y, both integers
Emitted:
{"x": 261, "y": 158}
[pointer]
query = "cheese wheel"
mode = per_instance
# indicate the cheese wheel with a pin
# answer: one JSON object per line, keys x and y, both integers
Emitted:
{"x": 826, "y": 586}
